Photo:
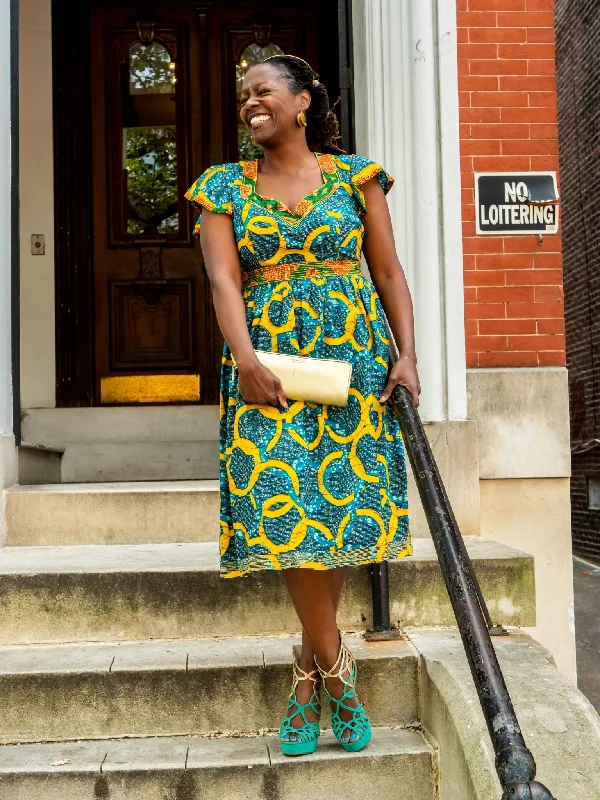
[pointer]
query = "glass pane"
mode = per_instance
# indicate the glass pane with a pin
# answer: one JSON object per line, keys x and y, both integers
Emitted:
{"x": 150, "y": 142}
{"x": 253, "y": 54}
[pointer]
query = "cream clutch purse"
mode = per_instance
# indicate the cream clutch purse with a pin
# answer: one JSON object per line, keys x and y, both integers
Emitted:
{"x": 316, "y": 380}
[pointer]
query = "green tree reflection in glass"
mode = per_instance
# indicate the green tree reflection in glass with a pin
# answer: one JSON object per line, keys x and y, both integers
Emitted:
{"x": 253, "y": 54}
{"x": 150, "y": 142}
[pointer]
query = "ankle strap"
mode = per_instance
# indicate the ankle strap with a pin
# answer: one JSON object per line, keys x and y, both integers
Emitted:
{"x": 344, "y": 663}
{"x": 301, "y": 675}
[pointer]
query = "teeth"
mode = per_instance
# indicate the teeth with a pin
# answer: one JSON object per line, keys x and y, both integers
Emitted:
{"x": 259, "y": 119}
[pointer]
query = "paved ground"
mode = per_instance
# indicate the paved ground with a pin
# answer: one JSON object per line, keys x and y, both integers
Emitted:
{"x": 586, "y": 582}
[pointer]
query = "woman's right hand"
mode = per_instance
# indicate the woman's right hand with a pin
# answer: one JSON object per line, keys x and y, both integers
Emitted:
{"x": 259, "y": 386}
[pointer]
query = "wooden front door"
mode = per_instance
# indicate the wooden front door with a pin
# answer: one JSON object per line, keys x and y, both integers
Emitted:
{"x": 153, "y": 326}
{"x": 163, "y": 81}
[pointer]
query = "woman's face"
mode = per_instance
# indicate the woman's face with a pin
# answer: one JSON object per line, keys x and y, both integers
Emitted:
{"x": 268, "y": 108}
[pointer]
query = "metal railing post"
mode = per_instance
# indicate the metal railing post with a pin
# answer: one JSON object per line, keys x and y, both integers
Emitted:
{"x": 380, "y": 592}
{"x": 515, "y": 764}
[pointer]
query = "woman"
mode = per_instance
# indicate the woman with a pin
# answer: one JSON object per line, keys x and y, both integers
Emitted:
{"x": 307, "y": 489}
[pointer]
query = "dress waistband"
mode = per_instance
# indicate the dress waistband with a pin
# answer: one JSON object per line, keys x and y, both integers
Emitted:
{"x": 299, "y": 270}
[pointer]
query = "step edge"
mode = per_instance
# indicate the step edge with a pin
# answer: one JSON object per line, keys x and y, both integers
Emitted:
{"x": 205, "y": 550}
{"x": 201, "y": 485}
{"x": 409, "y": 734}
{"x": 254, "y": 652}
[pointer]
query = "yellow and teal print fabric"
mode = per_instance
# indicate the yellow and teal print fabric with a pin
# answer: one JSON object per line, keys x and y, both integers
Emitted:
{"x": 312, "y": 486}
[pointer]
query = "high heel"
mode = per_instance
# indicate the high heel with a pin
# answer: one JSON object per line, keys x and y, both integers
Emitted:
{"x": 359, "y": 724}
{"x": 308, "y": 733}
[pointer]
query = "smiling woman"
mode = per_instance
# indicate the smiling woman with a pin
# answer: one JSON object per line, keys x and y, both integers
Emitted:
{"x": 253, "y": 54}
{"x": 320, "y": 121}
{"x": 307, "y": 489}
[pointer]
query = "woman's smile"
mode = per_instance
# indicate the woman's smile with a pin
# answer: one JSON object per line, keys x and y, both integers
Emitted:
{"x": 258, "y": 119}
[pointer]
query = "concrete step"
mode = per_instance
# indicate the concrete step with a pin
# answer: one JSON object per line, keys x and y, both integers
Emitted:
{"x": 60, "y": 427}
{"x": 112, "y": 513}
{"x": 68, "y": 692}
{"x": 396, "y": 764}
{"x": 181, "y": 443}
{"x": 173, "y": 591}
{"x": 140, "y": 461}
{"x": 154, "y": 443}
{"x": 38, "y": 465}
{"x": 559, "y": 725}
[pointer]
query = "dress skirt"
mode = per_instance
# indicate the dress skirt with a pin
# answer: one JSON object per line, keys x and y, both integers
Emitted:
{"x": 313, "y": 486}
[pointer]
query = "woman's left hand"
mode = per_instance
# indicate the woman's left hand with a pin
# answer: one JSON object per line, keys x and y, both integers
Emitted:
{"x": 403, "y": 373}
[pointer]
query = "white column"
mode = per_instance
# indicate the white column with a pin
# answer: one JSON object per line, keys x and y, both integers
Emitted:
{"x": 451, "y": 212}
{"x": 406, "y": 93}
{"x": 7, "y": 444}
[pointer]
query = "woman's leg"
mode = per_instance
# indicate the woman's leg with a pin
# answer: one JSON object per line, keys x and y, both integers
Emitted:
{"x": 312, "y": 593}
{"x": 335, "y": 581}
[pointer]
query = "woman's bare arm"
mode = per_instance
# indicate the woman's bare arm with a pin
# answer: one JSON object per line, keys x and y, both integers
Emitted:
{"x": 390, "y": 282}
{"x": 256, "y": 383}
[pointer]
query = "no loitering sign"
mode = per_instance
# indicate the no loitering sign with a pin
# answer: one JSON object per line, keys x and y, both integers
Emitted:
{"x": 516, "y": 202}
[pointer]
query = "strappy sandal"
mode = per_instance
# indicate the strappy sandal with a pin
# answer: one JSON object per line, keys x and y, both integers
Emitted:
{"x": 306, "y": 737}
{"x": 358, "y": 725}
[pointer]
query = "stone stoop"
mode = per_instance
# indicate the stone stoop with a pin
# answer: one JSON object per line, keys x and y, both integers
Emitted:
{"x": 172, "y": 591}
{"x": 129, "y": 670}
{"x": 397, "y": 764}
{"x": 177, "y": 688}
{"x": 143, "y": 443}
{"x": 144, "y": 512}
{"x": 167, "y": 444}
{"x": 559, "y": 724}
{"x": 122, "y": 720}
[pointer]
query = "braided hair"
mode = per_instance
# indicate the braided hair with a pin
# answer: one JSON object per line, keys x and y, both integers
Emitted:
{"x": 322, "y": 126}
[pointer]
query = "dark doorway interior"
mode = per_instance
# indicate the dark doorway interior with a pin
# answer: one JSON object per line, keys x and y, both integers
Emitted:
{"x": 144, "y": 101}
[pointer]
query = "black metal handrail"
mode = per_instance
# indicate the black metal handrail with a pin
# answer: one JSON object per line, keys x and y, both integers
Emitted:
{"x": 515, "y": 764}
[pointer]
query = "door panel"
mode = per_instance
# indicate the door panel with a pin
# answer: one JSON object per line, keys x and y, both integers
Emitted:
{"x": 152, "y": 300}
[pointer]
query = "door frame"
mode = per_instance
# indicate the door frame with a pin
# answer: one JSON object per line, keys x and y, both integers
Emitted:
{"x": 74, "y": 277}
{"x": 15, "y": 236}
{"x": 75, "y": 357}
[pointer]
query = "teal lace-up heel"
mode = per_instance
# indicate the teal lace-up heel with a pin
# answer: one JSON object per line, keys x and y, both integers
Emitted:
{"x": 358, "y": 725}
{"x": 306, "y": 737}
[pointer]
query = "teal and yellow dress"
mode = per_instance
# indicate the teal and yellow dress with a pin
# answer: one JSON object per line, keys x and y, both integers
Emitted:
{"x": 312, "y": 486}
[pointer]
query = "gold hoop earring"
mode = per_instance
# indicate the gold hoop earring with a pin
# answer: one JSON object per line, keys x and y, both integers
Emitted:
{"x": 301, "y": 118}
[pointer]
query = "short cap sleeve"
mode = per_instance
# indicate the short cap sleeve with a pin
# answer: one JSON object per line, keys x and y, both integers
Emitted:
{"x": 212, "y": 191}
{"x": 362, "y": 170}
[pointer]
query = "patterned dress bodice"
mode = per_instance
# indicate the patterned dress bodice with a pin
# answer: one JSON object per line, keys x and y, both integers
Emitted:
{"x": 322, "y": 235}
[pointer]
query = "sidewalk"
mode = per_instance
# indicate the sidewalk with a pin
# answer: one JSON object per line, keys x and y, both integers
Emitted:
{"x": 586, "y": 584}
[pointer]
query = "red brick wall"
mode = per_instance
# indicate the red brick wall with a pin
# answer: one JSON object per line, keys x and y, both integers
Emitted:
{"x": 508, "y": 119}
{"x": 578, "y": 68}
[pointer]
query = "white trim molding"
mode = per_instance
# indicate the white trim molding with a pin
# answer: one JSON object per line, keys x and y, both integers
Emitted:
{"x": 7, "y": 444}
{"x": 406, "y": 101}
